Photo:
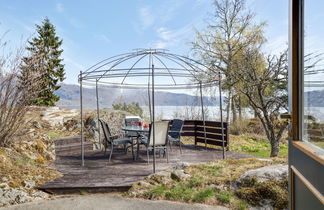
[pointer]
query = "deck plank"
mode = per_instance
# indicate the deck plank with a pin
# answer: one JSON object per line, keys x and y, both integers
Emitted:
{"x": 122, "y": 171}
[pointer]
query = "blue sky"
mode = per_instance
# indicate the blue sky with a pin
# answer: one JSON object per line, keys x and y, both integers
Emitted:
{"x": 94, "y": 30}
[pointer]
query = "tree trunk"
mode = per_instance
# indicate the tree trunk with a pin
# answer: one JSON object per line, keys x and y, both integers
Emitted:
{"x": 228, "y": 106}
{"x": 274, "y": 145}
{"x": 240, "y": 108}
{"x": 234, "y": 115}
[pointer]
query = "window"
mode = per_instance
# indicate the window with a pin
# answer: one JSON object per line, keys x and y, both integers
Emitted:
{"x": 313, "y": 129}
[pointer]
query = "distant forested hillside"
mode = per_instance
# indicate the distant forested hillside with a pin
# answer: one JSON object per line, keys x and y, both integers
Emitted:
{"x": 69, "y": 95}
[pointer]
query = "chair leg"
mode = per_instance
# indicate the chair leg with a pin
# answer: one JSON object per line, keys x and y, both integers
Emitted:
{"x": 112, "y": 148}
{"x": 125, "y": 148}
{"x": 170, "y": 145}
{"x": 105, "y": 149}
{"x": 148, "y": 156}
{"x": 167, "y": 154}
{"x": 180, "y": 146}
{"x": 133, "y": 151}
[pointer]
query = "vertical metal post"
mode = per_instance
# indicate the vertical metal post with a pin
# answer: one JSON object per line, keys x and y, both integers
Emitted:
{"x": 98, "y": 115}
{"x": 81, "y": 113}
{"x": 153, "y": 118}
{"x": 203, "y": 113}
{"x": 148, "y": 88}
{"x": 221, "y": 111}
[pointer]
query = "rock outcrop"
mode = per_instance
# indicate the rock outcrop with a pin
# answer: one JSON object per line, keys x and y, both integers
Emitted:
{"x": 10, "y": 196}
{"x": 264, "y": 174}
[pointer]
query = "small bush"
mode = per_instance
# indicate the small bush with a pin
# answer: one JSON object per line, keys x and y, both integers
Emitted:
{"x": 133, "y": 108}
{"x": 15, "y": 97}
{"x": 247, "y": 126}
{"x": 203, "y": 195}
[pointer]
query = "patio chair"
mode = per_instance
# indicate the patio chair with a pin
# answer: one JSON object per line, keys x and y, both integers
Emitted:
{"x": 175, "y": 133}
{"x": 161, "y": 139}
{"x": 128, "y": 122}
{"x": 112, "y": 141}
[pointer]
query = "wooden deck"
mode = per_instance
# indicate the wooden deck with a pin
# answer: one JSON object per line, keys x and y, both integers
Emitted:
{"x": 98, "y": 175}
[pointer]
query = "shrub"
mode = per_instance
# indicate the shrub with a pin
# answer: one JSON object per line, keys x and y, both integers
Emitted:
{"x": 15, "y": 97}
{"x": 247, "y": 126}
{"x": 133, "y": 108}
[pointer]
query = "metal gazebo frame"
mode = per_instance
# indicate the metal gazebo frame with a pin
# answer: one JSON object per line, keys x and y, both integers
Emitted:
{"x": 107, "y": 71}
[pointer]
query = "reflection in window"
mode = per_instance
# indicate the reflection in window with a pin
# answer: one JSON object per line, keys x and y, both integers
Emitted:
{"x": 313, "y": 130}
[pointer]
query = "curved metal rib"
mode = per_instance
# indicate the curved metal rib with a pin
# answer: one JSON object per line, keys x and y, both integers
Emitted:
{"x": 166, "y": 68}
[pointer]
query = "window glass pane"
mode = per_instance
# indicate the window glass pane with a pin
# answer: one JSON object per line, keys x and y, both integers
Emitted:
{"x": 314, "y": 72}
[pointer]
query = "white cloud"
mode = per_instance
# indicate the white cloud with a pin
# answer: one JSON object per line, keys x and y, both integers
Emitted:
{"x": 103, "y": 37}
{"x": 168, "y": 38}
{"x": 59, "y": 7}
{"x": 160, "y": 44}
{"x": 146, "y": 17}
{"x": 164, "y": 33}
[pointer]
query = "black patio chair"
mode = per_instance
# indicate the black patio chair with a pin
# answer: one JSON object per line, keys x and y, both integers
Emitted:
{"x": 175, "y": 133}
{"x": 113, "y": 140}
{"x": 161, "y": 139}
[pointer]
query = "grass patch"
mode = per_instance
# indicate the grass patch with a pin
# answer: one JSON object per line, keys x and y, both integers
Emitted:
{"x": 18, "y": 167}
{"x": 204, "y": 195}
{"x": 24, "y": 160}
{"x": 55, "y": 135}
{"x": 83, "y": 192}
{"x": 211, "y": 184}
{"x": 180, "y": 192}
{"x": 319, "y": 143}
{"x": 255, "y": 146}
{"x": 224, "y": 197}
{"x": 156, "y": 192}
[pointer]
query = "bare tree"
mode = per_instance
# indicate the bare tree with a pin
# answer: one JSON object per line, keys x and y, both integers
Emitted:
{"x": 230, "y": 29}
{"x": 15, "y": 97}
{"x": 264, "y": 83}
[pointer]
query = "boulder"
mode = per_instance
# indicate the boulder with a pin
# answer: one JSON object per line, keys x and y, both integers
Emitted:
{"x": 179, "y": 175}
{"x": 9, "y": 196}
{"x": 162, "y": 177}
{"x": 181, "y": 165}
{"x": 267, "y": 173}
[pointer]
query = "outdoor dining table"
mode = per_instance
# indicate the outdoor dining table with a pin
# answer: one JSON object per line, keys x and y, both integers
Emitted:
{"x": 139, "y": 130}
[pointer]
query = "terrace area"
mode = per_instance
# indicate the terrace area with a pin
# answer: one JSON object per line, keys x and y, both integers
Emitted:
{"x": 98, "y": 175}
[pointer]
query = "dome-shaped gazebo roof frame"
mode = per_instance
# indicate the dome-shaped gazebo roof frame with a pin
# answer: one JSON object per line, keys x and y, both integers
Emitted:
{"x": 152, "y": 69}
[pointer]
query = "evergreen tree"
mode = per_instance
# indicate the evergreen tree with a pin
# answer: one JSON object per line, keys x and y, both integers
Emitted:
{"x": 44, "y": 58}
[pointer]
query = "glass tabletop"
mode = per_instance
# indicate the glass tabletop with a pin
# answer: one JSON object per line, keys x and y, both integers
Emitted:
{"x": 135, "y": 128}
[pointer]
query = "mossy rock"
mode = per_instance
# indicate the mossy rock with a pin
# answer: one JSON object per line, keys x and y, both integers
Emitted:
{"x": 276, "y": 191}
